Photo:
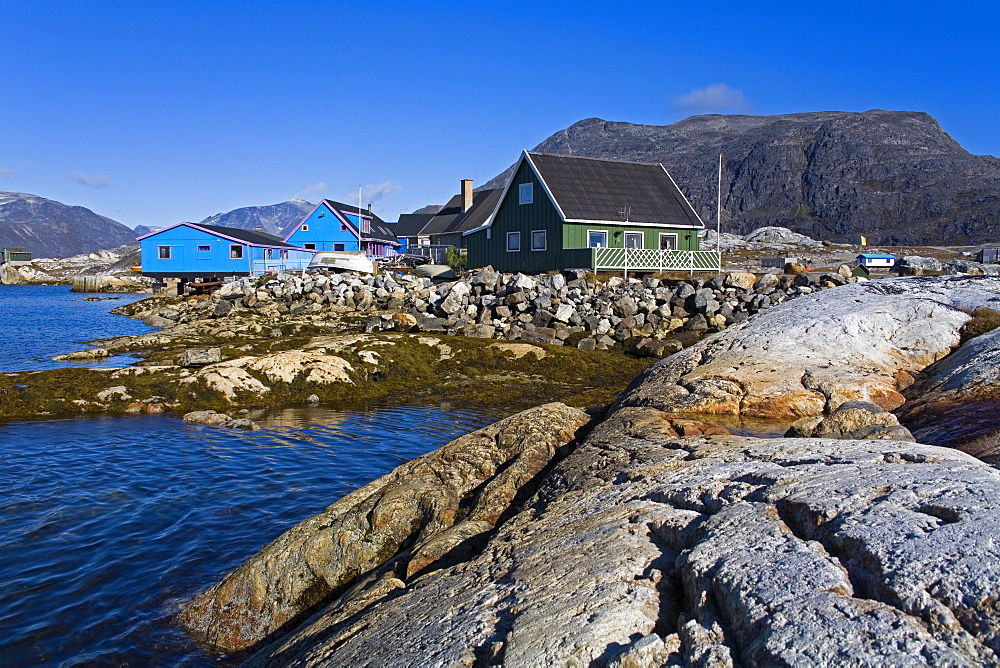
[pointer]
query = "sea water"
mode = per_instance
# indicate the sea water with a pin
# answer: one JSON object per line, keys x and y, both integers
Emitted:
{"x": 107, "y": 525}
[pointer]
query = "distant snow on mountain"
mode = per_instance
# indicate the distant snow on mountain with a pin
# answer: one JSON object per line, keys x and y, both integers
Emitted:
{"x": 52, "y": 229}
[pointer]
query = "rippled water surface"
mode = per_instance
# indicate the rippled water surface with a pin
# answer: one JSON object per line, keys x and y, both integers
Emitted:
{"x": 40, "y": 321}
{"x": 106, "y": 525}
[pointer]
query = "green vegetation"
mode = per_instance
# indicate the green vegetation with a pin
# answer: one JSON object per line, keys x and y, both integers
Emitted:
{"x": 983, "y": 320}
{"x": 456, "y": 260}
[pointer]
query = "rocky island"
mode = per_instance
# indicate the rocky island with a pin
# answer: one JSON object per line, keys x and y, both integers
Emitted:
{"x": 647, "y": 534}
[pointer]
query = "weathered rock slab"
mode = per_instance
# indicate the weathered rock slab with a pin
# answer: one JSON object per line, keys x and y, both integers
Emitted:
{"x": 859, "y": 342}
{"x": 408, "y": 516}
{"x": 726, "y": 549}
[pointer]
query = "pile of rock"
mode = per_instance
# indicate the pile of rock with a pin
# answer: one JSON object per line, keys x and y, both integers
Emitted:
{"x": 568, "y": 308}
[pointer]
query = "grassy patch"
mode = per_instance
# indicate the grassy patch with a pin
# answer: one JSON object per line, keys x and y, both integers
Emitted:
{"x": 983, "y": 320}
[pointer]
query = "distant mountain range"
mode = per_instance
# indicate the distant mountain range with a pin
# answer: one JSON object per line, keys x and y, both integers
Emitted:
{"x": 893, "y": 176}
{"x": 52, "y": 229}
{"x": 275, "y": 219}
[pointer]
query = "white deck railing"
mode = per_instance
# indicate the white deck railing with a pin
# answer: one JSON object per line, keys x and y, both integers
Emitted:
{"x": 649, "y": 259}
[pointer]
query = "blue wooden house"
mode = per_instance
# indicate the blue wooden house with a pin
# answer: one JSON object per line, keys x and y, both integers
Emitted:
{"x": 209, "y": 252}
{"x": 333, "y": 226}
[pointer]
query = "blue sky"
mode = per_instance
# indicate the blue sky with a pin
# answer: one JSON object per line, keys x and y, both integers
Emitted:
{"x": 156, "y": 112}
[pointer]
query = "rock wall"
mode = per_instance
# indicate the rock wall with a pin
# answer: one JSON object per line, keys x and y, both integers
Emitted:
{"x": 570, "y": 308}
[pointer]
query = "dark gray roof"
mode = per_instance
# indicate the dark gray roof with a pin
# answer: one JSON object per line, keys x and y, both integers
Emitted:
{"x": 410, "y": 224}
{"x": 451, "y": 220}
{"x": 380, "y": 230}
{"x": 250, "y": 236}
{"x": 594, "y": 189}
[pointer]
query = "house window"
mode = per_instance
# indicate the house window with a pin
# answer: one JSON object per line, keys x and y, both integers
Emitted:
{"x": 269, "y": 254}
{"x": 489, "y": 233}
{"x": 668, "y": 241}
{"x": 343, "y": 227}
{"x": 513, "y": 242}
{"x": 204, "y": 249}
{"x": 305, "y": 227}
{"x": 366, "y": 226}
{"x": 338, "y": 247}
{"x": 633, "y": 240}
{"x": 164, "y": 252}
{"x": 309, "y": 246}
{"x": 597, "y": 239}
{"x": 235, "y": 252}
{"x": 526, "y": 193}
{"x": 282, "y": 255}
{"x": 538, "y": 240}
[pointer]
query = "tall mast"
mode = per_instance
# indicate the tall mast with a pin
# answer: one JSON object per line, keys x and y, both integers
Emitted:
{"x": 718, "y": 210}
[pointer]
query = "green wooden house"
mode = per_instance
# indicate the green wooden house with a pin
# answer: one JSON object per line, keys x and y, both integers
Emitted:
{"x": 560, "y": 212}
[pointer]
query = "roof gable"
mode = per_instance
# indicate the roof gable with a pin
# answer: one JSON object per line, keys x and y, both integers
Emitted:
{"x": 251, "y": 237}
{"x": 590, "y": 189}
{"x": 451, "y": 220}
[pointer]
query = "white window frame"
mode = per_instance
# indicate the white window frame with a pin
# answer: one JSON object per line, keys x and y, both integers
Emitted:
{"x": 642, "y": 239}
{"x": 666, "y": 234}
{"x": 204, "y": 248}
{"x": 545, "y": 240}
{"x": 234, "y": 249}
{"x": 526, "y": 193}
{"x": 515, "y": 236}
{"x": 602, "y": 232}
{"x": 159, "y": 253}
{"x": 305, "y": 227}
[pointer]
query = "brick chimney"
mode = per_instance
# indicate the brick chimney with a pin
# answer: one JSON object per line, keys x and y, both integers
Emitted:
{"x": 466, "y": 194}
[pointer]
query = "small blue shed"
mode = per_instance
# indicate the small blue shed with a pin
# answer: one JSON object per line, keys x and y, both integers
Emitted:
{"x": 190, "y": 250}
{"x": 876, "y": 260}
{"x": 333, "y": 226}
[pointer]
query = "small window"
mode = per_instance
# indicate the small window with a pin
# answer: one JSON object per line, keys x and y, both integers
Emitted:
{"x": 309, "y": 246}
{"x": 283, "y": 255}
{"x": 668, "y": 241}
{"x": 236, "y": 252}
{"x": 489, "y": 232}
{"x": 269, "y": 254}
{"x": 526, "y": 193}
{"x": 338, "y": 247}
{"x": 204, "y": 249}
{"x": 538, "y": 240}
{"x": 513, "y": 242}
{"x": 343, "y": 227}
{"x": 633, "y": 240}
{"x": 305, "y": 227}
{"x": 164, "y": 252}
{"x": 597, "y": 239}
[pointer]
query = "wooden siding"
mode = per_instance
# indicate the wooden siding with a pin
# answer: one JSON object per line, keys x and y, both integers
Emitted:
{"x": 566, "y": 242}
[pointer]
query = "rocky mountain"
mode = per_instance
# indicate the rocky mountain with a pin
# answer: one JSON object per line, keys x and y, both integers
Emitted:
{"x": 894, "y": 176}
{"x": 52, "y": 229}
{"x": 273, "y": 218}
{"x": 141, "y": 230}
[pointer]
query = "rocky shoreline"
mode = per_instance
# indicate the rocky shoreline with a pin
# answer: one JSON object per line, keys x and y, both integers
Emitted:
{"x": 645, "y": 535}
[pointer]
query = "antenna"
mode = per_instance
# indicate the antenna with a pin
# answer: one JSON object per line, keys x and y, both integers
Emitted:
{"x": 718, "y": 212}
{"x": 625, "y": 213}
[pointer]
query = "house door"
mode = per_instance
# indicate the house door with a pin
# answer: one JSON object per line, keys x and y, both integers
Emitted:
{"x": 633, "y": 240}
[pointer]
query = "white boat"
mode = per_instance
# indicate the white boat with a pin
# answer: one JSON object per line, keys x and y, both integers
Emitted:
{"x": 343, "y": 261}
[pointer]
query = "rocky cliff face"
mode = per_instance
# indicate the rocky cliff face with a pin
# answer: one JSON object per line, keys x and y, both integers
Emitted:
{"x": 273, "y": 218}
{"x": 51, "y": 229}
{"x": 893, "y": 176}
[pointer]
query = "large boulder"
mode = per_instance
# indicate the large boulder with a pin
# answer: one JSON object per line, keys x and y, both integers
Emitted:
{"x": 860, "y": 342}
{"x": 423, "y": 513}
{"x": 644, "y": 548}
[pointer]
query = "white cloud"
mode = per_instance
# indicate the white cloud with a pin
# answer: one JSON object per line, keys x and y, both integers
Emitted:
{"x": 7, "y": 173}
{"x": 712, "y": 99}
{"x": 311, "y": 190}
{"x": 373, "y": 193}
{"x": 95, "y": 181}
